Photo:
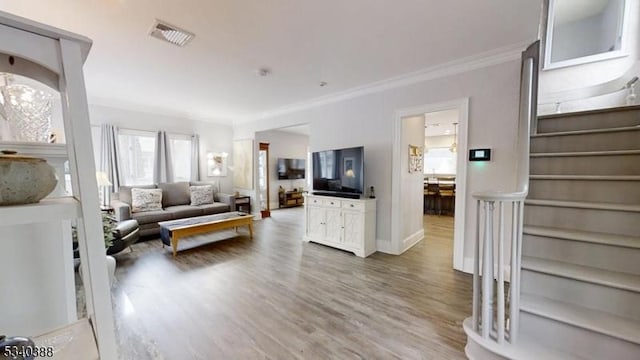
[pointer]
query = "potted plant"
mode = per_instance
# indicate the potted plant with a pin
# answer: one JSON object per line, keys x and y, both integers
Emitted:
{"x": 109, "y": 224}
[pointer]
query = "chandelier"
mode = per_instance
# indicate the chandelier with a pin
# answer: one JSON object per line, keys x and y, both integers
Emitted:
{"x": 454, "y": 146}
{"x": 25, "y": 112}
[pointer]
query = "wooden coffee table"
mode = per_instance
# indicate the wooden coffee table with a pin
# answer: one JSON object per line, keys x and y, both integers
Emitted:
{"x": 172, "y": 231}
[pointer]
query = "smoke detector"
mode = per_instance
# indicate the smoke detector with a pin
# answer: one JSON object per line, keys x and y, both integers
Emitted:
{"x": 171, "y": 34}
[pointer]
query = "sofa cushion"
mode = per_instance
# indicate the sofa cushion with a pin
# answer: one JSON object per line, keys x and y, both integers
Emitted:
{"x": 183, "y": 211}
{"x": 146, "y": 200}
{"x": 124, "y": 192}
{"x": 176, "y": 193}
{"x": 148, "y": 217}
{"x": 215, "y": 208}
{"x": 201, "y": 195}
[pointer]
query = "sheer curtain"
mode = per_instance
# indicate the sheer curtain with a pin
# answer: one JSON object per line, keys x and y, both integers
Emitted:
{"x": 163, "y": 169}
{"x": 109, "y": 155}
{"x": 195, "y": 158}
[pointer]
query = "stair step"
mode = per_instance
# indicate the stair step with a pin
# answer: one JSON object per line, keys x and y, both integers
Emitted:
{"x": 588, "y": 131}
{"x": 587, "y": 177}
{"x": 593, "y": 190}
{"x": 584, "y": 205}
{"x": 525, "y": 349}
{"x": 597, "y": 321}
{"x": 593, "y": 119}
{"x": 584, "y": 236}
{"x": 598, "y": 289}
{"x": 603, "y": 163}
{"x": 577, "y": 341}
{"x": 623, "y": 138}
{"x": 588, "y": 274}
{"x": 585, "y": 153}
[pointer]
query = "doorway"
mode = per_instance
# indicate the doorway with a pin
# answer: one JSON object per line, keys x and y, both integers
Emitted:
{"x": 263, "y": 179}
{"x": 453, "y": 185}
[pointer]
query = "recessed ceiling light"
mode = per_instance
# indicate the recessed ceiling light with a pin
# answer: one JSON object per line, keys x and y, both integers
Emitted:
{"x": 447, "y": 132}
{"x": 171, "y": 34}
{"x": 263, "y": 72}
{"x": 323, "y": 83}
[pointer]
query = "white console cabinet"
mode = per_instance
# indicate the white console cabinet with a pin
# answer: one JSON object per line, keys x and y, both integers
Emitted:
{"x": 347, "y": 224}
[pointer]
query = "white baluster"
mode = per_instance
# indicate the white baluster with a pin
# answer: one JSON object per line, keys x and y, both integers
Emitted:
{"x": 476, "y": 273}
{"x": 513, "y": 309}
{"x": 500, "y": 323}
{"x": 487, "y": 273}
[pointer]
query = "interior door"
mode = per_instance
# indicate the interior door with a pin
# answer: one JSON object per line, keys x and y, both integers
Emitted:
{"x": 263, "y": 179}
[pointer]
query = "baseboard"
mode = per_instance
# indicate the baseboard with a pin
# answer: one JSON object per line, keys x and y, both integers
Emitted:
{"x": 384, "y": 246}
{"x": 413, "y": 239}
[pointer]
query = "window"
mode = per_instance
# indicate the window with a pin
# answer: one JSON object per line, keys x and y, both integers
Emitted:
{"x": 137, "y": 154}
{"x": 439, "y": 161}
{"x": 180, "y": 150}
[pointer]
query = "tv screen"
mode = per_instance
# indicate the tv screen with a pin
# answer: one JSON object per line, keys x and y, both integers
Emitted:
{"x": 291, "y": 169}
{"x": 340, "y": 171}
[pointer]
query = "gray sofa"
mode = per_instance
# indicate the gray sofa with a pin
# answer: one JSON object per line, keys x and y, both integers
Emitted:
{"x": 176, "y": 200}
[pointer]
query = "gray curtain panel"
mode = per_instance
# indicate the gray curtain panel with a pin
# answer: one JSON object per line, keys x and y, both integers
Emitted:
{"x": 109, "y": 162}
{"x": 162, "y": 170}
{"x": 195, "y": 158}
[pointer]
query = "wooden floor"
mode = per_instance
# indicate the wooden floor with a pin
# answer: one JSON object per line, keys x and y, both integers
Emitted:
{"x": 275, "y": 297}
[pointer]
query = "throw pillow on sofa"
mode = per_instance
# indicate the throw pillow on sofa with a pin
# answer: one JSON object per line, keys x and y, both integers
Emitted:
{"x": 146, "y": 200}
{"x": 201, "y": 195}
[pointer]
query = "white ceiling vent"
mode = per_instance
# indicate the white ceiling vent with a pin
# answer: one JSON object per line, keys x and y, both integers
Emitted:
{"x": 173, "y": 34}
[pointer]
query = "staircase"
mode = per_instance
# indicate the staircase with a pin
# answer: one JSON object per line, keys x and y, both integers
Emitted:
{"x": 580, "y": 280}
{"x": 580, "y": 247}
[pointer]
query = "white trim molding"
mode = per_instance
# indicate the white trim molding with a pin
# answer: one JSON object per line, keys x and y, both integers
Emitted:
{"x": 462, "y": 105}
{"x": 478, "y": 61}
{"x": 411, "y": 240}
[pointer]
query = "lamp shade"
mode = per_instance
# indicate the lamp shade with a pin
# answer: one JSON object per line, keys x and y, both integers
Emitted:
{"x": 102, "y": 179}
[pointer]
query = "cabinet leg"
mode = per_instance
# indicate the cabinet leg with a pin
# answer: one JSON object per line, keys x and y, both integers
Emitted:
{"x": 251, "y": 230}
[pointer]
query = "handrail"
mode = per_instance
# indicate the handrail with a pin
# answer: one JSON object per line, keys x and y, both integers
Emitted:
{"x": 489, "y": 272}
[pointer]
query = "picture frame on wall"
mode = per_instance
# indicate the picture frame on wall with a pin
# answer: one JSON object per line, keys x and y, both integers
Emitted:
{"x": 416, "y": 158}
{"x": 216, "y": 164}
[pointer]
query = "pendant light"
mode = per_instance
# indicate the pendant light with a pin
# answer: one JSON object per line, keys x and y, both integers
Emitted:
{"x": 454, "y": 145}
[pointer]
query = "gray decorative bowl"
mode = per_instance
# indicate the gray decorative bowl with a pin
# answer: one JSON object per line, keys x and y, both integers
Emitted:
{"x": 24, "y": 179}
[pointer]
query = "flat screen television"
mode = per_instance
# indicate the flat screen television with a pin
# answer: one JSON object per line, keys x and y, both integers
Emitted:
{"x": 291, "y": 169}
{"x": 339, "y": 172}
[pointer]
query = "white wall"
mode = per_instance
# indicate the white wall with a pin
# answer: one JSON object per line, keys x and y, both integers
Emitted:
{"x": 283, "y": 145}
{"x": 595, "y": 78}
{"x": 412, "y": 183}
{"x": 368, "y": 120}
{"x": 213, "y": 137}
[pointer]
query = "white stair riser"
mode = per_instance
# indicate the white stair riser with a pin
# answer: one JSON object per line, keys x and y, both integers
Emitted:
{"x": 620, "y": 140}
{"x": 618, "y": 192}
{"x": 584, "y": 343}
{"x": 477, "y": 352}
{"x": 603, "y": 221}
{"x": 608, "y": 257}
{"x": 619, "y": 302}
{"x": 585, "y": 122}
{"x": 586, "y": 165}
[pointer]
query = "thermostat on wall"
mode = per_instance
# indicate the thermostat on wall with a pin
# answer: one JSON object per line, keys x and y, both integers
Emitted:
{"x": 479, "y": 154}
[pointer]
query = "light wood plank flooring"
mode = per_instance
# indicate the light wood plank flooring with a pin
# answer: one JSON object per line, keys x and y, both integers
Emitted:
{"x": 275, "y": 297}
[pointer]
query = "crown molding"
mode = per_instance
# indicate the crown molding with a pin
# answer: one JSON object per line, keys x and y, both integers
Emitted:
{"x": 165, "y": 112}
{"x": 478, "y": 61}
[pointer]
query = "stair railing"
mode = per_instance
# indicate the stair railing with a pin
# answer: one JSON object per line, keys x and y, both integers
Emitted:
{"x": 489, "y": 283}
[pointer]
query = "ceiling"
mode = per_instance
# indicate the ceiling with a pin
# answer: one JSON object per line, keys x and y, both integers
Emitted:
{"x": 440, "y": 123}
{"x": 347, "y": 44}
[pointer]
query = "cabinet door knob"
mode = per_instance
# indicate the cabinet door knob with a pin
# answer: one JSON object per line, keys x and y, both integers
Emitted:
{"x": 351, "y": 205}
{"x": 332, "y": 203}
